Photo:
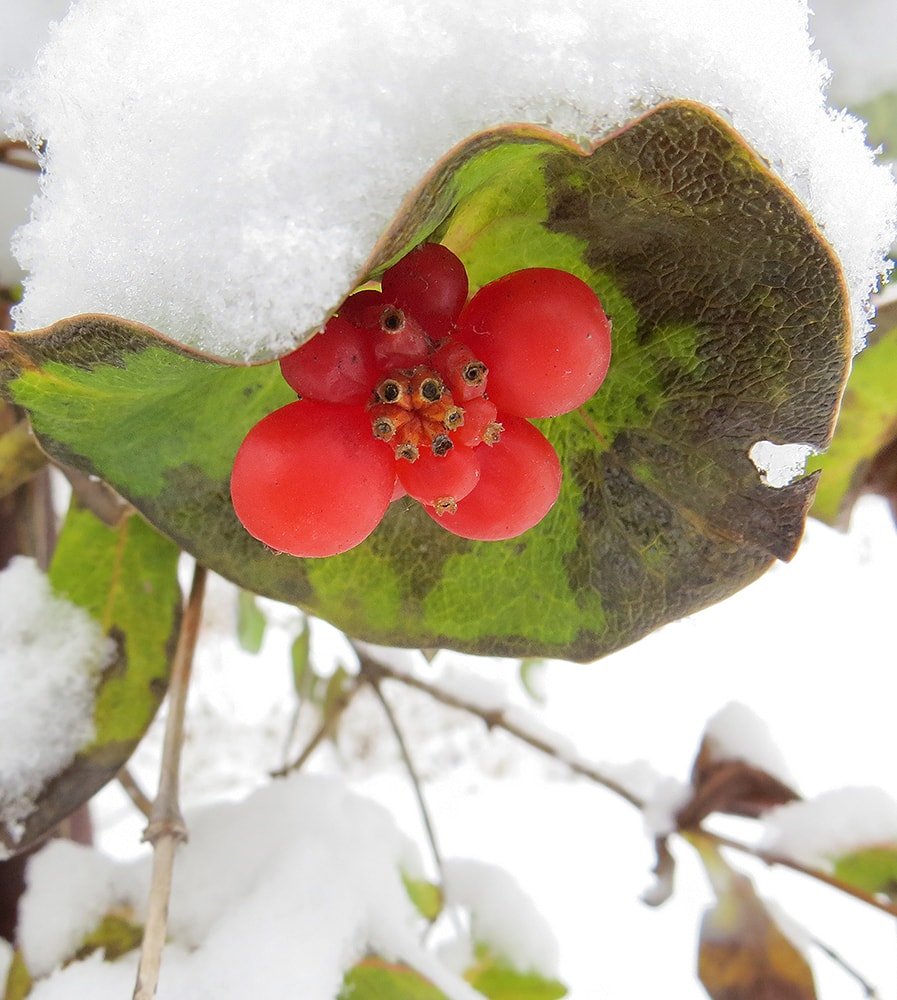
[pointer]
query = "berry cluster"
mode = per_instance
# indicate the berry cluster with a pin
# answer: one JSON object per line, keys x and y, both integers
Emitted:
{"x": 414, "y": 390}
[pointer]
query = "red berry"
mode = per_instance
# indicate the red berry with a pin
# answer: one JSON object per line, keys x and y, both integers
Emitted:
{"x": 430, "y": 283}
{"x": 310, "y": 479}
{"x": 441, "y": 481}
{"x": 544, "y": 337}
{"x": 479, "y": 414}
{"x": 335, "y": 366}
{"x": 464, "y": 373}
{"x": 520, "y": 479}
{"x": 362, "y": 308}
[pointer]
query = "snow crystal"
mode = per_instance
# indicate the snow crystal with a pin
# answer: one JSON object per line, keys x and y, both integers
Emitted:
{"x": 52, "y": 656}
{"x": 225, "y": 177}
{"x": 735, "y": 732}
{"x": 274, "y": 896}
{"x": 831, "y": 824}
{"x": 502, "y": 916}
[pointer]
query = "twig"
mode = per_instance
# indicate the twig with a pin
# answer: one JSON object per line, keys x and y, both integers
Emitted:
{"x": 134, "y": 792}
{"x": 409, "y": 767}
{"x": 496, "y": 719}
{"x": 337, "y": 708}
{"x": 870, "y": 991}
{"x": 166, "y": 828}
{"x": 781, "y": 861}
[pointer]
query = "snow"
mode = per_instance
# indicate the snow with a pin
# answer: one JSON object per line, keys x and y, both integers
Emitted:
{"x": 736, "y": 732}
{"x": 502, "y": 916}
{"x": 580, "y": 854}
{"x": 274, "y": 896}
{"x": 235, "y": 218}
{"x": 832, "y": 824}
{"x": 53, "y": 653}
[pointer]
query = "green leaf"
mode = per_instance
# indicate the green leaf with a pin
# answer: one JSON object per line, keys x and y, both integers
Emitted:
{"x": 115, "y": 935}
{"x": 251, "y": 622}
{"x": 303, "y": 676}
{"x": 497, "y": 980}
{"x": 126, "y": 579}
{"x": 729, "y": 325}
{"x": 426, "y": 896}
{"x": 18, "y": 978}
{"x": 376, "y": 979}
{"x": 866, "y": 424}
{"x": 873, "y": 869}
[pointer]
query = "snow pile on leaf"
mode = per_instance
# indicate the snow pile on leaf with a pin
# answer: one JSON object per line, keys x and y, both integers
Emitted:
{"x": 53, "y": 653}
{"x": 225, "y": 177}
{"x": 275, "y": 896}
{"x": 834, "y": 823}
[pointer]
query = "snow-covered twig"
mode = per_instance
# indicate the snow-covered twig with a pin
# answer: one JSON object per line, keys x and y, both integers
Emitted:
{"x": 166, "y": 828}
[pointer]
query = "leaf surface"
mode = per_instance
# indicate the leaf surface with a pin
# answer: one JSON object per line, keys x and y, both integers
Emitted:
{"x": 497, "y": 980}
{"x": 743, "y": 954}
{"x": 126, "y": 579}
{"x": 863, "y": 453}
{"x": 376, "y": 979}
{"x": 729, "y": 327}
{"x": 873, "y": 869}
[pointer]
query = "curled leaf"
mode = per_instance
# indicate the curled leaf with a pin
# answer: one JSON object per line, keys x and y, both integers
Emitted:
{"x": 729, "y": 325}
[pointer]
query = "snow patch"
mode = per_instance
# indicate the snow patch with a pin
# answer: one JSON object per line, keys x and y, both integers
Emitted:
{"x": 736, "y": 732}
{"x": 832, "y": 824}
{"x": 225, "y": 177}
{"x": 274, "y": 896}
{"x": 53, "y": 653}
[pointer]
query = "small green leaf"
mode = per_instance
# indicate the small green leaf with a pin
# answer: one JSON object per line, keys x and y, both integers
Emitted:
{"x": 497, "y": 980}
{"x": 126, "y": 579}
{"x": 251, "y": 622}
{"x": 867, "y": 423}
{"x": 730, "y": 326}
{"x": 18, "y": 978}
{"x": 376, "y": 979}
{"x": 426, "y": 896}
{"x": 20, "y": 457}
{"x": 872, "y": 869}
{"x": 303, "y": 675}
{"x": 531, "y": 669}
{"x": 116, "y": 935}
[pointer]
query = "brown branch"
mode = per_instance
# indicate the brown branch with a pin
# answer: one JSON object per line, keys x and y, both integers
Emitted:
{"x": 496, "y": 719}
{"x": 134, "y": 792}
{"x": 166, "y": 829}
{"x": 782, "y": 861}
{"x": 338, "y": 706}
{"x": 374, "y": 670}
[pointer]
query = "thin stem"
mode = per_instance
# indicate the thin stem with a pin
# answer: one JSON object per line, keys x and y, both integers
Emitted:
{"x": 323, "y": 732}
{"x": 166, "y": 828}
{"x": 865, "y": 985}
{"x": 497, "y": 719}
{"x": 134, "y": 792}
{"x": 412, "y": 772}
{"x": 781, "y": 861}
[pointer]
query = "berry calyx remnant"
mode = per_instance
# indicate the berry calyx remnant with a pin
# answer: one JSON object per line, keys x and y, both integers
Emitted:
{"x": 413, "y": 390}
